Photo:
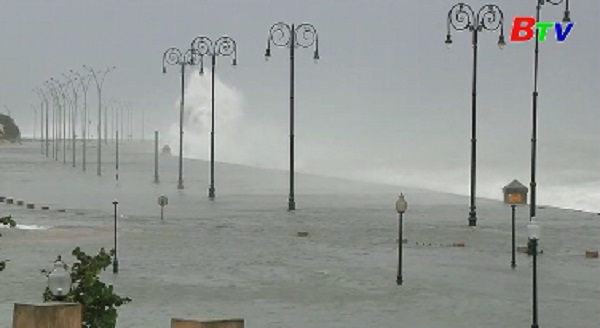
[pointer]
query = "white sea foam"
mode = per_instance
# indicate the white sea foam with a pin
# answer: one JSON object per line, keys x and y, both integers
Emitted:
{"x": 243, "y": 141}
{"x": 31, "y": 227}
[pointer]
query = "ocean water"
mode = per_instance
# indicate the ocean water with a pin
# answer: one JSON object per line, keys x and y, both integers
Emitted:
{"x": 240, "y": 256}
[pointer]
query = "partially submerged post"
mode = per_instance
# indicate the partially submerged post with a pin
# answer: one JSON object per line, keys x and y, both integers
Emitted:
{"x": 162, "y": 201}
{"x": 515, "y": 193}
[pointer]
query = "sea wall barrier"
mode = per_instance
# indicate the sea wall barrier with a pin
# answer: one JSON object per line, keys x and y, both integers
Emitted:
{"x": 21, "y": 202}
{"x": 70, "y": 315}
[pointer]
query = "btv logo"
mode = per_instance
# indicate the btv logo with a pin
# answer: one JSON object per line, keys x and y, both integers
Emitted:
{"x": 522, "y": 29}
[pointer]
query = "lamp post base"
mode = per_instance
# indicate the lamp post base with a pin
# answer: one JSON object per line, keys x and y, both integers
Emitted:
{"x": 399, "y": 280}
{"x": 534, "y": 326}
{"x": 115, "y": 266}
{"x": 291, "y": 205}
{"x": 180, "y": 186}
{"x": 211, "y": 193}
{"x": 472, "y": 219}
{"x": 530, "y": 247}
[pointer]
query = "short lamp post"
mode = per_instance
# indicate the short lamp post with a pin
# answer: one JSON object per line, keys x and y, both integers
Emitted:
{"x": 401, "y": 206}
{"x": 534, "y": 235}
{"x": 515, "y": 193}
{"x": 162, "y": 201}
{"x": 115, "y": 260}
{"x": 59, "y": 280}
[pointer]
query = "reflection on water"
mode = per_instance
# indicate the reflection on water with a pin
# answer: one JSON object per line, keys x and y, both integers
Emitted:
{"x": 240, "y": 255}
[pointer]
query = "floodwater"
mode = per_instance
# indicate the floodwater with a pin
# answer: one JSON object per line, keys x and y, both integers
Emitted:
{"x": 240, "y": 257}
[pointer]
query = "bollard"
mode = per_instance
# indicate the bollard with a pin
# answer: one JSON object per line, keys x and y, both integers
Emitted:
{"x": 10, "y": 200}
{"x": 30, "y": 206}
{"x": 302, "y": 234}
{"x": 45, "y": 208}
{"x": 61, "y": 210}
{"x": 20, "y": 202}
{"x": 184, "y": 323}
{"x": 2, "y": 198}
{"x": 589, "y": 254}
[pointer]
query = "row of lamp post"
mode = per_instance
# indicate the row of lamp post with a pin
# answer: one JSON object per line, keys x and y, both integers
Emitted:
{"x": 280, "y": 35}
{"x": 462, "y": 17}
{"x": 57, "y": 92}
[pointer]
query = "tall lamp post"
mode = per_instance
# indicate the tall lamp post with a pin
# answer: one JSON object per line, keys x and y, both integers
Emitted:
{"x": 401, "y": 206}
{"x": 48, "y": 84}
{"x": 85, "y": 83}
{"x": 73, "y": 115}
{"x": 174, "y": 56}
{"x": 462, "y": 17}
{"x": 532, "y": 184}
{"x": 115, "y": 264}
{"x": 534, "y": 235}
{"x": 63, "y": 95}
{"x": 290, "y": 36}
{"x": 223, "y": 46}
{"x": 44, "y": 104}
{"x": 99, "y": 79}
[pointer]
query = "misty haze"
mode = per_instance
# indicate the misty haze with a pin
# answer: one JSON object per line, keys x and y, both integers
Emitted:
{"x": 284, "y": 204}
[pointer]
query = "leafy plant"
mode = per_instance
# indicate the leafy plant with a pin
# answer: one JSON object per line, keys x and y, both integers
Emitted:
{"x": 6, "y": 221}
{"x": 98, "y": 300}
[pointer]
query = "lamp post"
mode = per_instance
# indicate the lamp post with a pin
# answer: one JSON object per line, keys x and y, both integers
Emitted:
{"x": 99, "y": 79}
{"x": 85, "y": 83}
{"x": 73, "y": 116}
{"x": 34, "y": 121}
{"x": 52, "y": 92}
{"x": 115, "y": 264}
{"x": 63, "y": 95}
{"x": 401, "y": 206}
{"x": 59, "y": 280}
{"x": 533, "y": 184}
{"x": 223, "y": 46}
{"x": 462, "y": 17}
{"x": 43, "y": 104}
{"x": 117, "y": 155}
{"x": 534, "y": 235}
{"x": 174, "y": 56}
{"x": 291, "y": 36}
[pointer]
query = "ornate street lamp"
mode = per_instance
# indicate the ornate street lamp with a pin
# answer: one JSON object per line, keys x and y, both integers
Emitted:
{"x": 292, "y": 37}
{"x": 55, "y": 110}
{"x": 59, "y": 280}
{"x": 223, "y": 46}
{"x": 533, "y": 184}
{"x": 534, "y": 232}
{"x": 462, "y": 17}
{"x": 174, "y": 56}
{"x": 99, "y": 80}
{"x": 401, "y": 206}
{"x": 45, "y": 104}
{"x": 84, "y": 83}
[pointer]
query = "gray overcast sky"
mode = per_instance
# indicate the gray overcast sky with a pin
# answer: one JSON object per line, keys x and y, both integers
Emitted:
{"x": 387, "y": 94}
